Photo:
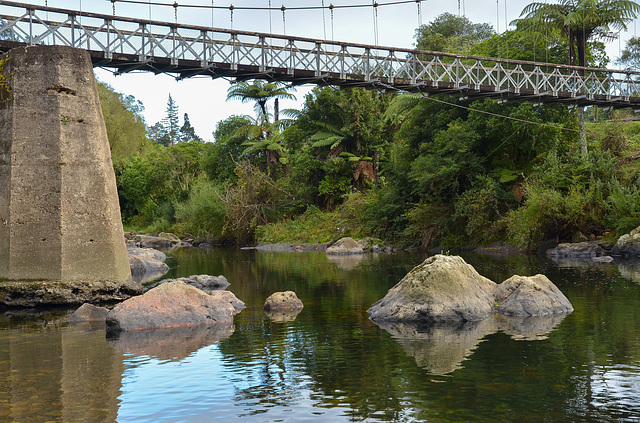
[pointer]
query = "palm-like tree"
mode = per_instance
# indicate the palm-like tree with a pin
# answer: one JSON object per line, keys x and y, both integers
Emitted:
{"x": 581, "y": 21}
{"x": 261, "y": 92}
{"x": 264, "y": 138}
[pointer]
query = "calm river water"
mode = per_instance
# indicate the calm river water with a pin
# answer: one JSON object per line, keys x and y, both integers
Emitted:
{"x": 330, "y": 363}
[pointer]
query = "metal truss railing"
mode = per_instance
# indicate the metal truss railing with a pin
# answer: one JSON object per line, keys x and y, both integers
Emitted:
{"x": 186, "y": 50}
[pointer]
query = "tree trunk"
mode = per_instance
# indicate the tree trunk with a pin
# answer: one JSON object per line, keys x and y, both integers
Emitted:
{"x": 583, "y": 135}
{"x": 276, "y": 110}
{"x": 376, "y": 168}
{"x": 582, "y": 58}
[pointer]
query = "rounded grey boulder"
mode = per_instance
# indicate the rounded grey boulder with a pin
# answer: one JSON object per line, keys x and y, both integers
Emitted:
{"x": 530, "y": 296}
{"x": 287, "y": 300}
{"x": 345, "y": 245}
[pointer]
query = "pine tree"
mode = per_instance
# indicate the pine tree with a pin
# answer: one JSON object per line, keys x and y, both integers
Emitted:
{"x": 188, "y": 132}
{"x": 171, "y": 122}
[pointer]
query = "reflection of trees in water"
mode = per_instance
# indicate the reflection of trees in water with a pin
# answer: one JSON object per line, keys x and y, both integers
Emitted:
{"x": 333, "y": 355}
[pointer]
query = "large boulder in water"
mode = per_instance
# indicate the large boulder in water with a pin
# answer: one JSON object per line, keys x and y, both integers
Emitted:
{"x": 171, "y": 304}
{"x": 441, "y": 289}
{"x": 628, "y": 245}
{"x": 345, "y": 245}
{"x": 530, "y": 296}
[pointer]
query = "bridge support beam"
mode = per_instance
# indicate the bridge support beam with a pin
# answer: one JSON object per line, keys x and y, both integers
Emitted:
{"x": 61, "y": 236}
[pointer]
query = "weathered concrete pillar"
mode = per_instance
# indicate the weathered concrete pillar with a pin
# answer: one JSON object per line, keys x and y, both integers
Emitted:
{"x": 61, "y": 237}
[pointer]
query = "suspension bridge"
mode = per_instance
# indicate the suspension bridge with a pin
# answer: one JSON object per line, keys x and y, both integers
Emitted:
{"x": 128, "y": 44}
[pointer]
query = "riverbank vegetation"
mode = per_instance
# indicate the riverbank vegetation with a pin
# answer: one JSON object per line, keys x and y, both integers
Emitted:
{"x": 404, "y": 168}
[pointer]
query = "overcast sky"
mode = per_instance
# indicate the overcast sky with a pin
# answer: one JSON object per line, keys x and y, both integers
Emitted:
{"x": 204, "y": 99}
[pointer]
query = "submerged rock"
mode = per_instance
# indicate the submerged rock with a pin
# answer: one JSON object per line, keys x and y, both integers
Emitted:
{"x": 345, "y": 245}
{"x": 88, "y": 313}
{"x": 171, "y": 304}
{"x": 206, "y": 283}
{"x": 530, "y": 296}
{"x": 287, "y": 300}
{"x": 441, "y": 289}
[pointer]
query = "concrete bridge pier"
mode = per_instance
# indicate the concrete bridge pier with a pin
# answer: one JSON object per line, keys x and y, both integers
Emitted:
{"x": 61, "y": 236}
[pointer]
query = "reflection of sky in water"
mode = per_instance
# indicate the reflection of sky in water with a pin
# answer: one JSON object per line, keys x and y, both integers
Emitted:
{"x": 205, "y": 386}
{"x": 617, "y": 389}
{"x": 188, "y": 390}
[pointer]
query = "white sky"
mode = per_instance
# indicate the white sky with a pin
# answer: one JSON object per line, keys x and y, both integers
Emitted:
{"x": 204, "y": 98}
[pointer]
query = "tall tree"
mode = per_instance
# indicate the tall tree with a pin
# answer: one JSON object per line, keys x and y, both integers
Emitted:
{"x": 581, "y": 21}
{"x": 261, "y": 92}
{"x": 187, "y": 131}
{"x": 124, "y": 122}
{"x": 451, "y": 34}
{"x": 171, "y": 122}
{"x": 630, "y": 57}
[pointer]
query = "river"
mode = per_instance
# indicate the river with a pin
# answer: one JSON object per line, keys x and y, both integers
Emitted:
{"x": 330, "y": 363}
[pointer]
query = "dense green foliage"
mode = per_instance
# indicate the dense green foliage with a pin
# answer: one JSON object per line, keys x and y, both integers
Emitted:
{"x": 403, "y": 168}
{"x": 125, "y": 127}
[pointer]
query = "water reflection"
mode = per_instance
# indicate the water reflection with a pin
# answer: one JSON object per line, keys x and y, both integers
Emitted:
{"x": 169, "y": 343}
{"x": 57, "y": 373}
{"x": 630, "y": 270}
{"x": 442, "y": 348}
{"x": 332, "y": 363}
{"x": 283, "y": 316}
{"x": 346, "y": 261}
{"x": 439, "y": 348}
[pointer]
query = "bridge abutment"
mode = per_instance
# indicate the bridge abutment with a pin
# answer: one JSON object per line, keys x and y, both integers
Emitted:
{"x": 61, "y": 236}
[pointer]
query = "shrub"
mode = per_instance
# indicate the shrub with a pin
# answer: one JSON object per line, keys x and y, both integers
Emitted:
{"x": 203, "y": 214}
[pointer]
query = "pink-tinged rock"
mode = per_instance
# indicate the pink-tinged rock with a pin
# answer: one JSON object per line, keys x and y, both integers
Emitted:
{"x": 172, "y": 304}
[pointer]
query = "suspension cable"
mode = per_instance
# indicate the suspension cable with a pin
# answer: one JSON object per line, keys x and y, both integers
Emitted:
{"x": 324, "y": 24}
{"x": 332, "y": 21}
{"x": 202, "y": 6}
{"x": 270, "y": 31}
{"x": 506, "y": 29}
{"x": 284, "y": 21}
{"x": 375, "y": 22}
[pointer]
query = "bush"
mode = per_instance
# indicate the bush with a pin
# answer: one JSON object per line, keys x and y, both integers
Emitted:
{"x": 548, "y": 212}
{"x": 478, "y": 207}
{"x": 203, "y": 214}
{"x": 623, "y": 208}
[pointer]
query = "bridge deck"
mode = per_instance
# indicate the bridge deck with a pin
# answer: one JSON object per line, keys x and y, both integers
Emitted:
{"x": 129, "y": 44}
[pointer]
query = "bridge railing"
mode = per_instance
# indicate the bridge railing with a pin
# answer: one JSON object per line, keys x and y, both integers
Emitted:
{"x": 129, "y": 44}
